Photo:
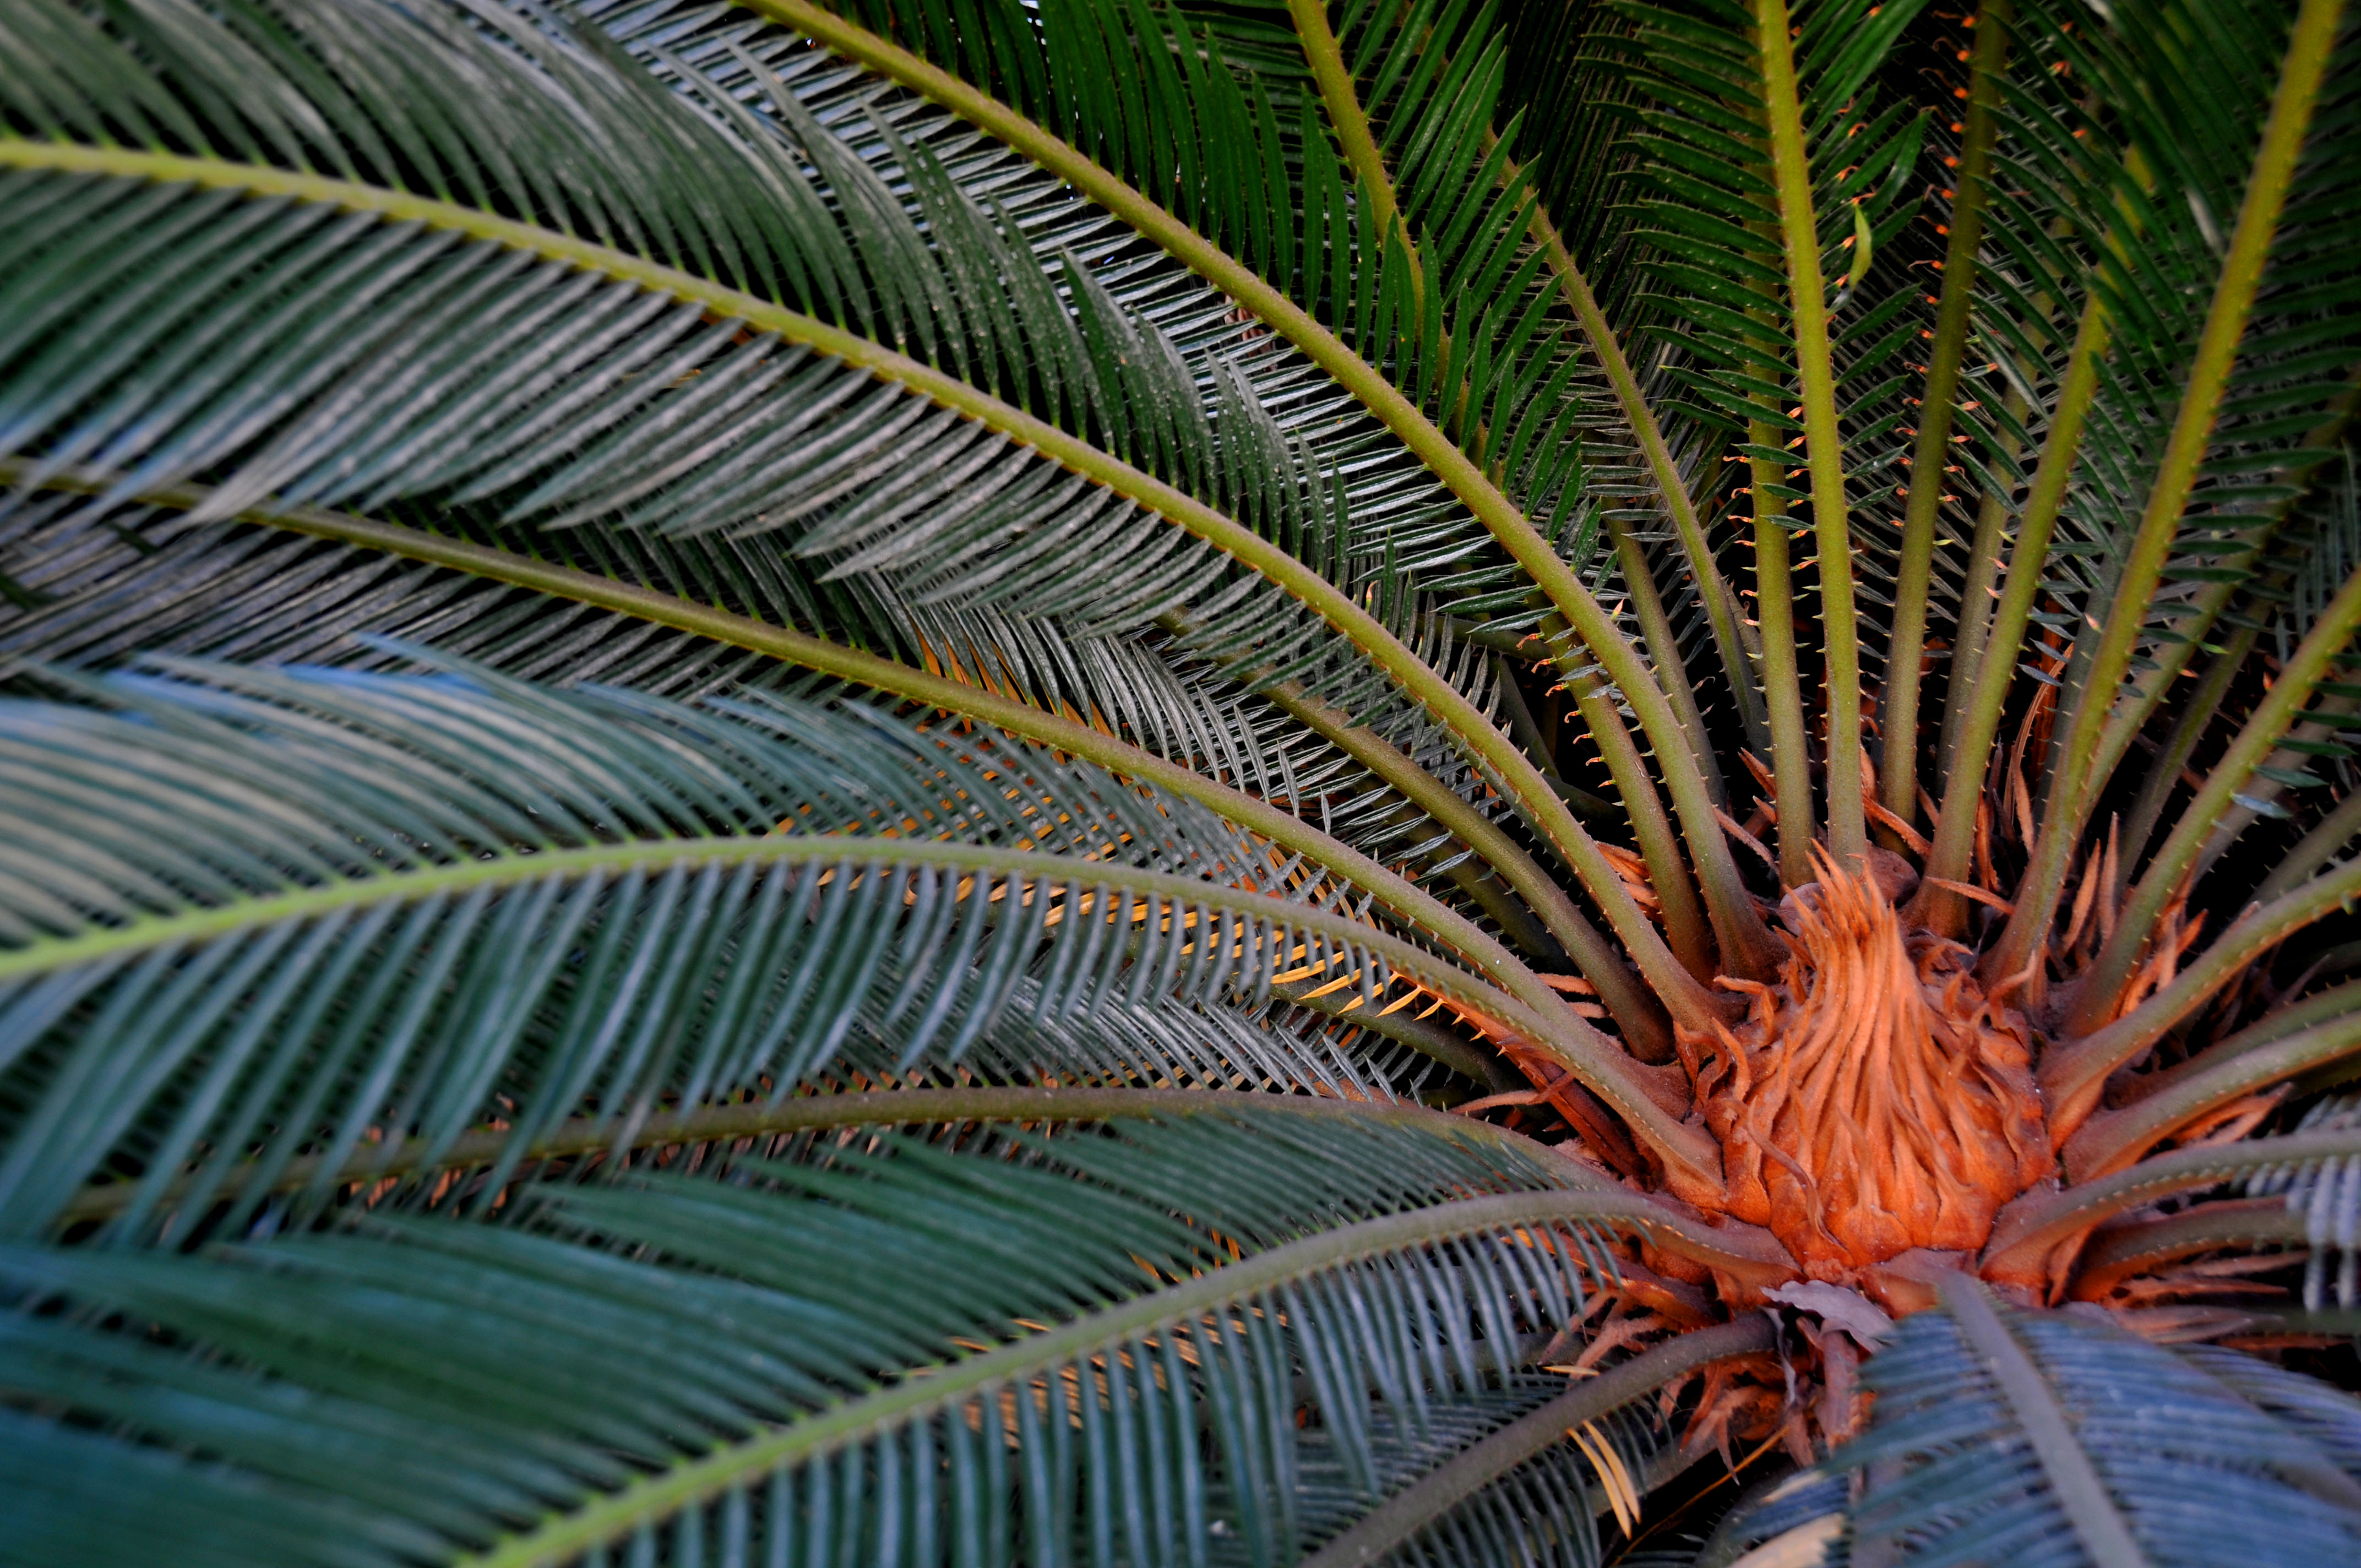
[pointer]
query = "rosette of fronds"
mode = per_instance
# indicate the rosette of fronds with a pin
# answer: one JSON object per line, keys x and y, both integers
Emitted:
{"x": 1123, "y": 781}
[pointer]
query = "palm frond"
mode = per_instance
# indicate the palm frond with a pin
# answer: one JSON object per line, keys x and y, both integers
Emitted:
{"x": 1706, "y": 200}
{"x": 1218, "y": 148}
{"x": 1026, "y": 1340}
{"x": 314, "y": 904}
{"x": 678, "y": 395}
{"x": 2105, "y": 1444}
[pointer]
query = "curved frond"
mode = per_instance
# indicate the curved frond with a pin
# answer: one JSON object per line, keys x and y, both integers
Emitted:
{"x": 515, "y": 420}
{"x": 318, "y": 909}
{"x": 1024, "y": 1340}
{"x": 2106, "y": 1450}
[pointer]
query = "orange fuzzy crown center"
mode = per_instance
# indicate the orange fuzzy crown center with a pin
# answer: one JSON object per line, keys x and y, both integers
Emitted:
{"x": 1874, "y": 1099}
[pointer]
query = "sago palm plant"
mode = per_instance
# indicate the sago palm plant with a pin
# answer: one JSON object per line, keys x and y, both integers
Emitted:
{"x": 1179, "y": 781}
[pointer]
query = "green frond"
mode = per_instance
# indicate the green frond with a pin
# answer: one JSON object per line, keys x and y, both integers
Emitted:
{"x": 1009, "y": 1339}
{"x": 299, "y": 907}
{"x": 1702, "y": 206}
{"x": 1004, "y": 529}
{"x": 808, "y": 781}
{"x": 1150, "y": 94}
{"x": 2034, "y": 1446}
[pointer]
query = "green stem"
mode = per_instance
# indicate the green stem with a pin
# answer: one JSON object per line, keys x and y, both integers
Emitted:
{"x": 2168, "y": 876}
{"x": 2289, "y": 1018}
{"x": 1664, "y": 652}
{"x": 2111, "y": 1140}
{"x": 1981, "y": 685}
{"x": 152, "y": 933}
{"x": 1898, "y": 769}
{"x": 1979, "y": 595}
{"x": 1988, "y": 684}
{"x": 694, "y": 1481}
{"x": 2035, "y": 1225}
{"x": 2075, "y": 786}
{"x": 2204, "y": 705}
{"x": 1539, "y": 1010}
{"x": 1342, "y": 99}
{"x": 2074, "y": 1483}
{"x": 2074, "y": 682}
{"x": 1725, "y": 890}
{"x": 872, "y": 1108}
{"x": 2134, "y": 705}
{"x": 1686, "y": 927}
{"x": 1685, "y": 924}
{"x": 1338, "y": 609}
{"x": 2072, "y": 1071}
{"x": 1720, "y": 604}
{"x": 1436, "y": 1493}
{"x": 1799, "y": 233}
{"x": 2132, "y": 1249}
{"x": 1775, "y": 600}
{"x": 2313, "y": 850}
{"x": 1630, "y": 1002}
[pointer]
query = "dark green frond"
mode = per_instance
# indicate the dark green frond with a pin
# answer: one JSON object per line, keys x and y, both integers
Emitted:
{"x": 531, "y": 430}
{"x": 2188, "y": 1451}
{"x": 304, "y": 910}
{"x": 1007, "y": 1340}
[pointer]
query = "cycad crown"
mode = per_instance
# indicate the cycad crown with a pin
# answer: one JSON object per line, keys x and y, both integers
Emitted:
{"x": 1123, "y": 781}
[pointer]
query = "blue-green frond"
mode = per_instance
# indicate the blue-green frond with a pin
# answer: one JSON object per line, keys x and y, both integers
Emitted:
{"x": 285, "y": 912}
{"x": 982, "y": 1341}
{"x": 2186, "y": 1449}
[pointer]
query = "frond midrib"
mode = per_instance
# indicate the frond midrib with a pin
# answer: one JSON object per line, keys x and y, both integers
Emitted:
{"x": 2075, "y": 1486}
{"x": 693, "y": 1481}
{"x": 865, "y": 1108}
{"x": 151, "y": 933}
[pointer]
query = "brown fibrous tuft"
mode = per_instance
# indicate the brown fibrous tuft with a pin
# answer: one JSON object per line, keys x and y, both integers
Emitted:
{"x": 1875, "y": 1100}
